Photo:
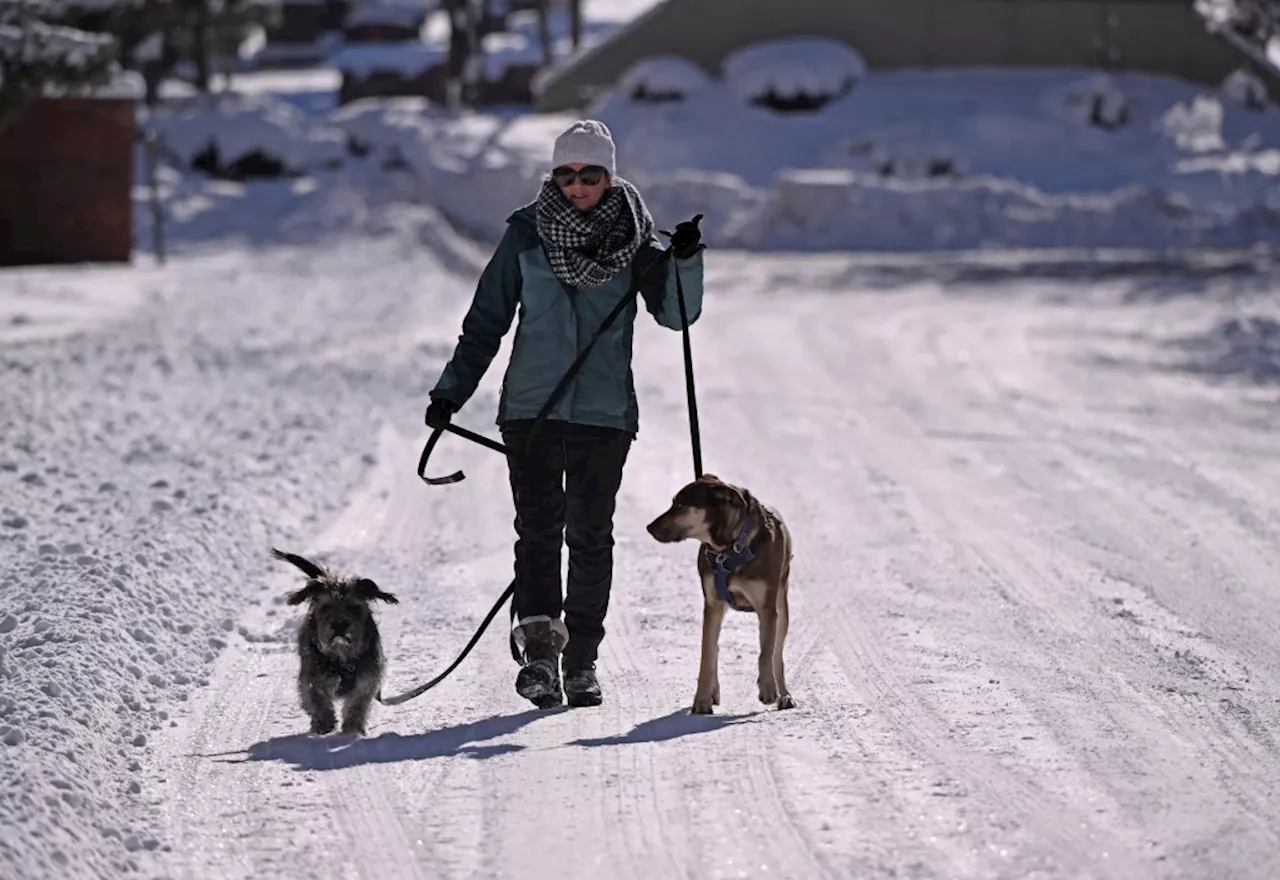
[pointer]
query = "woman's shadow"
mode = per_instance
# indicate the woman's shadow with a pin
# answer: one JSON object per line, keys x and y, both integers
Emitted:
{"x": 335, "y": 752}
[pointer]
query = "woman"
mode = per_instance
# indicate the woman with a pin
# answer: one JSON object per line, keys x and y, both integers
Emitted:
{"x": 564, "y": 262}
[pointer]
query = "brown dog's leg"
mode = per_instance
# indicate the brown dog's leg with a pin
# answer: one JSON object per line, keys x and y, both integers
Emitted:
{"x": 708, "y": 692}
{"x": 767, "y": 678}
{"x": 785, "y": 700}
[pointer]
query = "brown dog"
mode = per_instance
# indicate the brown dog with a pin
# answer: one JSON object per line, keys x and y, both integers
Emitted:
{"x": 744, "y": 562}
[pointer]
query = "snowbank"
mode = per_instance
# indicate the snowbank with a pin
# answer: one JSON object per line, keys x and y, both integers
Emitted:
{"x": 144, "y": 473}
{"x": 239, "y": 127}
{"x": 904, "y": 161}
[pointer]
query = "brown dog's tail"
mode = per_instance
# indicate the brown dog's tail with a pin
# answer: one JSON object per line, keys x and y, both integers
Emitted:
{"x": 308, "y": 567}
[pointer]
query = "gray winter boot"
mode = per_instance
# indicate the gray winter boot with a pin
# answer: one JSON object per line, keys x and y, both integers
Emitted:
{"x": 540, "y": 641}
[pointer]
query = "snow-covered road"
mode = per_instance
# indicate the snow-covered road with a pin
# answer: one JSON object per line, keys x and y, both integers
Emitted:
{"x": 1035, "y": 596}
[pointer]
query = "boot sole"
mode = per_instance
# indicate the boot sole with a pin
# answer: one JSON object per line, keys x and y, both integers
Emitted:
{"x": 579, "y": 700}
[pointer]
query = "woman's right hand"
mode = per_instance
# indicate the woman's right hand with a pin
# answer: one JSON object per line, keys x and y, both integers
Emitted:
{"x": 439, "y": 412}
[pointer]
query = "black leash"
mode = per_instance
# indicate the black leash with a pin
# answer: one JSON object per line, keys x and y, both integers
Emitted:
{"x": 691, "y": 397}
{"x": 552, "y": 399}
{"x": 426, "y": 686}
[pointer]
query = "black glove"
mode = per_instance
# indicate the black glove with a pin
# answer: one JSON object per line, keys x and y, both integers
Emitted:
{"x": 686, "y": 240}
{"x": 439, "y": 412}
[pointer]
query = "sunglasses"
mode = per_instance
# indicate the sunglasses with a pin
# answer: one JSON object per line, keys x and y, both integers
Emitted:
{"x": 590, "y": 175}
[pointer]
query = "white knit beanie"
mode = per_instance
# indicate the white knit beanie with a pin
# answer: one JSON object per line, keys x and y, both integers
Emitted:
{"x": 587, "y": 141}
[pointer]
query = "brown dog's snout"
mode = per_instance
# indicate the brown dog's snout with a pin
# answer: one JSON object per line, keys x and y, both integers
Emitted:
{"x": 662, "y": 529}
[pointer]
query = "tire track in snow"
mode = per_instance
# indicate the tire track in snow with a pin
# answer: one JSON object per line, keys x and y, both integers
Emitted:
{"x": 1110, "y": 498}
{"x": 981, "y": 776}
{"x": 340, "y": 787}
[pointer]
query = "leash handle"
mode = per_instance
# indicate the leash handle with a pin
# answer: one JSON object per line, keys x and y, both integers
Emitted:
{"x": 456, "y": 476}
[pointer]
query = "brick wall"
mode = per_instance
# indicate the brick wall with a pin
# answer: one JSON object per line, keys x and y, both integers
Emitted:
{"x": 66, "y": 181}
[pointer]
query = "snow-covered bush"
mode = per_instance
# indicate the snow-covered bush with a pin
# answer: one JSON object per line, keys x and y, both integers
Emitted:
{"x": 661, "y": 78}
{"x": 795, "y": 73}
{"x": 1195, "y": 127}
{"x": 239, "y": 136}
{"x": 36, "y": 53}
{"x": 1245, "y": 88}
{"x": 391, "y": 130}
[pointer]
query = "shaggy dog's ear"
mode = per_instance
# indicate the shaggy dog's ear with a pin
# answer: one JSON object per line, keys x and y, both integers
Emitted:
{"x": 368, "y": 590}
{"x": 312, "y": 590}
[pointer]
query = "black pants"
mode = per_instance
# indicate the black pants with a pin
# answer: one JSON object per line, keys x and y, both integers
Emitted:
{"x": 565, "y": 492}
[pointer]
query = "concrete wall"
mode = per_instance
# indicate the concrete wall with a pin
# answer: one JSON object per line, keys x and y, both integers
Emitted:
{"x": 66, "y": 191}
{"x": 1154, "y": 36}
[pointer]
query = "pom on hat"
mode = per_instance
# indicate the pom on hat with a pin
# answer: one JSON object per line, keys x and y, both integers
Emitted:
{"x": 588, "y": 141}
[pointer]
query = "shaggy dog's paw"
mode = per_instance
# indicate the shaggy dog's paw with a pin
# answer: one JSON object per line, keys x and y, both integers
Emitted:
{"x": 786, "y": 701}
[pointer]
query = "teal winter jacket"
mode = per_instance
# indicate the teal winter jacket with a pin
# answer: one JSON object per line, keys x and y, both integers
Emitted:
{"x": 556, "y": 323}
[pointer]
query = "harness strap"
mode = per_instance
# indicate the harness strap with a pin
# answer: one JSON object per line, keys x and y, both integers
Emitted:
{"x": 727, "y": 562}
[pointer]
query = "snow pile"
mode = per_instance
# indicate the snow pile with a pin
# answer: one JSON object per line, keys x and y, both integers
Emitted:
{"x": 834, "y": 210}
{"x": 905, "y": 161}
{"x": 793, "y": 73}
{"x": 146, "y": 469}
{"x": 661, "y": 78}
{"x": 393, "y": 129}
{"x": 227, "y": 131}
{"x": 973, "y": 159}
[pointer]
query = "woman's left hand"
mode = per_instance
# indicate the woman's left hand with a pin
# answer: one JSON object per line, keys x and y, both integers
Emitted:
{"x": 686, "y": 240}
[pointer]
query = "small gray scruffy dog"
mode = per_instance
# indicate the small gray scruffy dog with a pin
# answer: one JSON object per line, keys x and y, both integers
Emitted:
{"x": 339, "y": 646}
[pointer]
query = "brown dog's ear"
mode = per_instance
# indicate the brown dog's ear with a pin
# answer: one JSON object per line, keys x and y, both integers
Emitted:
{"x": 306, "y": 594}
{"x": 368, "y": 590}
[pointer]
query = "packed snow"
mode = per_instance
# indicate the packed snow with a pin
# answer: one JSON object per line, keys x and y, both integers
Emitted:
{"x": 1017, "y": 409}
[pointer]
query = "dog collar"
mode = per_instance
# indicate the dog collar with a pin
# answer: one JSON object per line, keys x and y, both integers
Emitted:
{"x": 726, "y": 562}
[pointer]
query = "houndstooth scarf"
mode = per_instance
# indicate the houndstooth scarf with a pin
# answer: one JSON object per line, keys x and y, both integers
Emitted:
{"x": 587, "y": 249}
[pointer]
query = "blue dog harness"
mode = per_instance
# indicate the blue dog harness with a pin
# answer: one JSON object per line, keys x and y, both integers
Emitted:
{"x": 726, "y": 562}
